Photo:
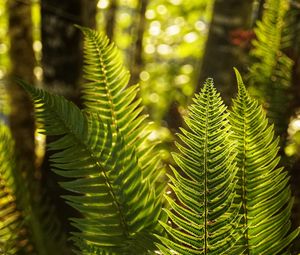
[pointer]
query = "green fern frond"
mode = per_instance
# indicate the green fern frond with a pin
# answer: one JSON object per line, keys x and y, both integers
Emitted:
{"x": 107, "y": 93}
{"x": 204, "y": 216}
{"x": 262, "y": 185}
{"x": 27, "y": 225}
{"x": 11, "y": 218}
{"x": 15, "y": 234}
{"x": 270, "y": 73}
{"x": 118, "y": 202}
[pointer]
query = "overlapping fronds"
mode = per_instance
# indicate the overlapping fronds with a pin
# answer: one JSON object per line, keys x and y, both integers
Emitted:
{"x": 204, "y": 216}
{"x": 262, "y": 185}
{"x": 107, "y": 93}
{"x": 270, "y": 73}
{"x": 118, "y": 202}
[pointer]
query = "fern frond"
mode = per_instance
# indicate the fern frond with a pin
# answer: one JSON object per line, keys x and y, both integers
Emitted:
{"x": 27, "y": 225}
{"x": 262, "y": 185}
{"x": 11, "y": 218}
{"x": 107, "y": 93}
{"x": 118, "y": 202}
{"x": 271, "y": 70}
{"x": 204, "y": 215}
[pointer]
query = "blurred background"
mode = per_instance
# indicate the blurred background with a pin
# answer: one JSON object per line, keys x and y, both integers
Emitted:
{"x": 170, "y": 47}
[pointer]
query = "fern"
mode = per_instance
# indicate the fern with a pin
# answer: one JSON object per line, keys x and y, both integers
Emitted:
{"x": 11, "y": 219}
{"x": 230, "y": 195}
{"x": 204, "y": 215}
{"x": 270, "y": 72}
{"x": 27, "y": 222}
{"x": 106, "y": 92}
{"x": 112, "y": 171}
{"x": 262, "y": 185}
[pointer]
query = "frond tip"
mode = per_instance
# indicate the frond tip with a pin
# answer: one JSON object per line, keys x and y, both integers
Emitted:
{"x": 204, "y": 216}
{"x": 262, "y": 185}
{"x": 107, "y": 93}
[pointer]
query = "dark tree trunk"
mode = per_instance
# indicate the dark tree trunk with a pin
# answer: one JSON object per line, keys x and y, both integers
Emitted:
{"x": 22, "y": 122}
{"x": 61, "y": 52}
{"x": 22, "y": 64}
{"x": 62, "y": 59}
{"x": 227, "y": 44}
{"x": 296, "y": 82}
{"x": 111, "y": 19}
{"x": 295, "y": 169}
{"x": 89, "y": 12}
{"x": 294, "y": 53}
{"x": 138, "y": 63}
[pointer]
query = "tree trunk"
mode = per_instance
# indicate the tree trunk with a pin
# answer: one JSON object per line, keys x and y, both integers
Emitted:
{"x": 227, "y": 44}
{"x": 61, "y": 52}
{"x": 22, "y": 64}
{"x": 295, "y": 169}
{"x": 294, "y": 52}
{"x": 62, "y": 59}
{"x": 89, "y": 12}
{"x": 138, "y": 63}
{"x": 23, "y": 125}
{"x": 111, "y": 19}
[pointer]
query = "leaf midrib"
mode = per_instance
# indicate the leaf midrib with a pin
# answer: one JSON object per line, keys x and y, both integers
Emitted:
{"x": 108, "y": 92}
{"x": 205, "y": 175}
{"x": 244, "y": 176}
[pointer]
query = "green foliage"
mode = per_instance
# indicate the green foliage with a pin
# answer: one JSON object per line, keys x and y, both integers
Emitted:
{"x": 4, "y": 40}
{"x": 28, "y": 225}
{"x": 230, "y": 195}
{"x": 204, "y": 215}
{"x": 14, "y": 237}
{"x": 102, "y": 150}
{"x": 11, "y": 219}
{"x": 107, "y": 94}
{"x": 262, "y": 185}
{"x": 270, "y": 72}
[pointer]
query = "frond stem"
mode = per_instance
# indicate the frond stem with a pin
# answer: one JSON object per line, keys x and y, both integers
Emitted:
{"x": 109, "y": 96}
{"x": 244, "y": 177}
{"x": 205, "y": 177}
